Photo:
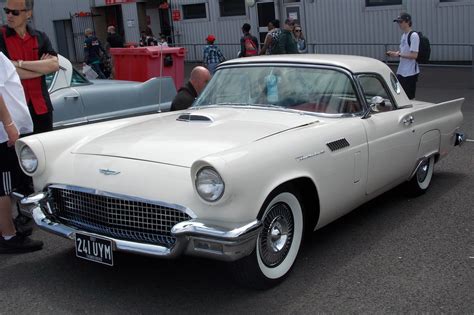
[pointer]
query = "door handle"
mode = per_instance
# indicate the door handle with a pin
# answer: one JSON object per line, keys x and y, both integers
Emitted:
{"x": 408, "y": 120}
{"x": 67, "y": 97}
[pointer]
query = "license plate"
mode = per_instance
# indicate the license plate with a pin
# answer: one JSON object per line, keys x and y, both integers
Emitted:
{"x": 94, "y": 248}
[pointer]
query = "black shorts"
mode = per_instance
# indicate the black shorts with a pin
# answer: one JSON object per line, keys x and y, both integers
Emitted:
{"x": 9, "y": 169}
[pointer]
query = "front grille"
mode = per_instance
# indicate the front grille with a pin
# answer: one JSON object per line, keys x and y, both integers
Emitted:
{"x": 115, "y": 217}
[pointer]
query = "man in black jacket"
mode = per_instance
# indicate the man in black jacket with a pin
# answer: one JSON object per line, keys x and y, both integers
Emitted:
{"x": 114, "y": 39}
{"x": 198, "y": 80}
{"x": 287, "y": 43}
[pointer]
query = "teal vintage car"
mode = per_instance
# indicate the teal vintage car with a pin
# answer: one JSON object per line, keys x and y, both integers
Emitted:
{"x": 77, "y": 100}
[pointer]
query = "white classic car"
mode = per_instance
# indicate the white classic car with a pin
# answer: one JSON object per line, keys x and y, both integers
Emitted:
{"x": 274, "y": 147}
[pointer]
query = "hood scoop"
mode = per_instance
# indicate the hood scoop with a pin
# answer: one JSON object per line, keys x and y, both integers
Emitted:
{"x": 194, "y": 118}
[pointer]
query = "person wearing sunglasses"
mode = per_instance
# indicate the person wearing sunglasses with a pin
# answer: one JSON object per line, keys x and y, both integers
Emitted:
{"x": 300, "y": 40}
{"x": 33, "y": 56}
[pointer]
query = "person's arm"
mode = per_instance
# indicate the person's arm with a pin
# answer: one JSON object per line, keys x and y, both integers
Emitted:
{"x": 220, "y": 55}
{"x": 205, "y": 56}
{"x": 47, "y": 63}
{"x": 266, "y": 44}
{"x": 86, "y": 51}
{"x": 242, "y": 47}
{"x": 36, "y": 68}
{"x": 8, "y": 124}
{"x": 410, "y": 55}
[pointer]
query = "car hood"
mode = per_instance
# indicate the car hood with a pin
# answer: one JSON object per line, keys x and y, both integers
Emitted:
{"x": 180, "y": 138}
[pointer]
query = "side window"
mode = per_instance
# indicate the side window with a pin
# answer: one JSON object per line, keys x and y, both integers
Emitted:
{"x": 372, "y": 86}
{"x": 77, "y": 79}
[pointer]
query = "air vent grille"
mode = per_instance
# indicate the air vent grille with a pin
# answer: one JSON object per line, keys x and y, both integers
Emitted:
{"x": 338, "y": 144}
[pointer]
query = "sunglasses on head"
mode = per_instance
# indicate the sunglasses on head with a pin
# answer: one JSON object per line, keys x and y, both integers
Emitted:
{"x": 13, "y": 12}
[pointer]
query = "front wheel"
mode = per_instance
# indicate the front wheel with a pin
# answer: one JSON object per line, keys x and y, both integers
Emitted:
{"x": 277, "y": 244}
{"x": 420, "y": 183}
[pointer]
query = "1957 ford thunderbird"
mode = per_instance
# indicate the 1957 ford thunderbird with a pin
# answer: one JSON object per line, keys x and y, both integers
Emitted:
{"x": 274, "y": 147}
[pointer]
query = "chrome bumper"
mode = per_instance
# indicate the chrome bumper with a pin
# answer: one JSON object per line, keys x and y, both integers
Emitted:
{"x": 215, "y": 240}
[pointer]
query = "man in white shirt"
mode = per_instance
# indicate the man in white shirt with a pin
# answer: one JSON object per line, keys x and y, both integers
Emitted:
{"x": 15, "y": 119}
{"x": 408, "y": 68}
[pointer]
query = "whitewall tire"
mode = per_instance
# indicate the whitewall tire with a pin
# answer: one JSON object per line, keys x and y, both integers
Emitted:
{"x": 278, "y": 243}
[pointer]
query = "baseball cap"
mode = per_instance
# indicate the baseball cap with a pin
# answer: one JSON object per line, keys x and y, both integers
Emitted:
{"x": 403, "y": 17}
{"x": 210, "y": 38}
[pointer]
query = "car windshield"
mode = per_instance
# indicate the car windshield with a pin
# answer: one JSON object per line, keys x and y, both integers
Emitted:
{"x": 318, "y": 90}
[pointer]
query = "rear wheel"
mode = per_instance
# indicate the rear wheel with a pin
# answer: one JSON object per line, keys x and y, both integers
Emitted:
{"x": 420, "y": 183}
{"x": 277, "y": 244}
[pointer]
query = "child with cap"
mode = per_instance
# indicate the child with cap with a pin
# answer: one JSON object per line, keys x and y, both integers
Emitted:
{"x": 212, "y": 55}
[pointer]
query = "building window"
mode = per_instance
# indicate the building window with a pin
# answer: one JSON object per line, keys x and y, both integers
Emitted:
{"x": 194, "y": 11}
{"x": 377, "y": 3}
{"x": 232, "y": 7}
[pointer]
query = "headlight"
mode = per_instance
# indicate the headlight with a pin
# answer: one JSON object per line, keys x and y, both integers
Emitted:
{"x": 209, "y": 184}
{"x": 28, "y": 159}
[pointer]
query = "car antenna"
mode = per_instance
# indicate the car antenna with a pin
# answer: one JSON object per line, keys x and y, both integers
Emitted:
{"x": 161, "y": 78}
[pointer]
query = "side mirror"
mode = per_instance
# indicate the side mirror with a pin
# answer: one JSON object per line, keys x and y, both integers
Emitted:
{"x": 375, "y": 104}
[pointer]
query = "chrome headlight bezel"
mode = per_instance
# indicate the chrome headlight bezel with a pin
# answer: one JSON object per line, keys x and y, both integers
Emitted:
{"x": 28, "y": 160}
{"x": 209, "y": 184}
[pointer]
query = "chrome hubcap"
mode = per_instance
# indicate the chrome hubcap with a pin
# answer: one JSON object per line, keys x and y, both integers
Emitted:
{"x": 277, "y": 235}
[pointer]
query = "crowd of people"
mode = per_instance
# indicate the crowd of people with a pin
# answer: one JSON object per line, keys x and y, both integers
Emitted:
{"x": 27, "y": 56}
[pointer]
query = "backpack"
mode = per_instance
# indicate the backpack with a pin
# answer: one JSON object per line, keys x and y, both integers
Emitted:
{"x": 250, "y": 48}
{"x": 424, "y": 51}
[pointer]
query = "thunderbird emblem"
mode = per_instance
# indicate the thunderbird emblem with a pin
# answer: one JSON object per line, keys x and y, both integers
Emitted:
{"x": 108, "y": 172}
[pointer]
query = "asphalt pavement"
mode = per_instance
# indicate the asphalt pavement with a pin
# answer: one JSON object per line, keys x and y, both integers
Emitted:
{"x": 392, "y": 255}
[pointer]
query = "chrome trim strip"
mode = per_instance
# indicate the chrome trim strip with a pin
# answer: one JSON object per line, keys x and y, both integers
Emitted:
{"x": 230, "y": 232}
{"x": 124, "y": 197}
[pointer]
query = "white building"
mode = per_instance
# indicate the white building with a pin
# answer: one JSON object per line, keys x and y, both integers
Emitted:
{"x": 361, "y": 27}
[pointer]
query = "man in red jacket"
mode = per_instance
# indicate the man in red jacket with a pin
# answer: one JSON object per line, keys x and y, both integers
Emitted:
{"x": 33, "y": 56}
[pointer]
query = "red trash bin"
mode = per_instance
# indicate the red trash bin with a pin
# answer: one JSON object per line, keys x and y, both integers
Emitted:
{"x": 143, "y": 63}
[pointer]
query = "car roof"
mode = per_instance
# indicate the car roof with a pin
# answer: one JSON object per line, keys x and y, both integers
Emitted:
{"x": 354, "y": 64}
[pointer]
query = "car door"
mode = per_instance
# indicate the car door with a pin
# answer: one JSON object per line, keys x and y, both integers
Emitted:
{"x": 67, "y": 101}
{"x": 391, "y": 136}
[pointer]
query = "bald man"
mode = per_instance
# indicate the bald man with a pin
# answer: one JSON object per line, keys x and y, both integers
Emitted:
{"x": 200, "y": 76}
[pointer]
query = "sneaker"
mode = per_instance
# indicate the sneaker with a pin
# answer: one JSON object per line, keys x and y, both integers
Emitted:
{"x": 23, "y": 225}
{"x": 19, "y": 244}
